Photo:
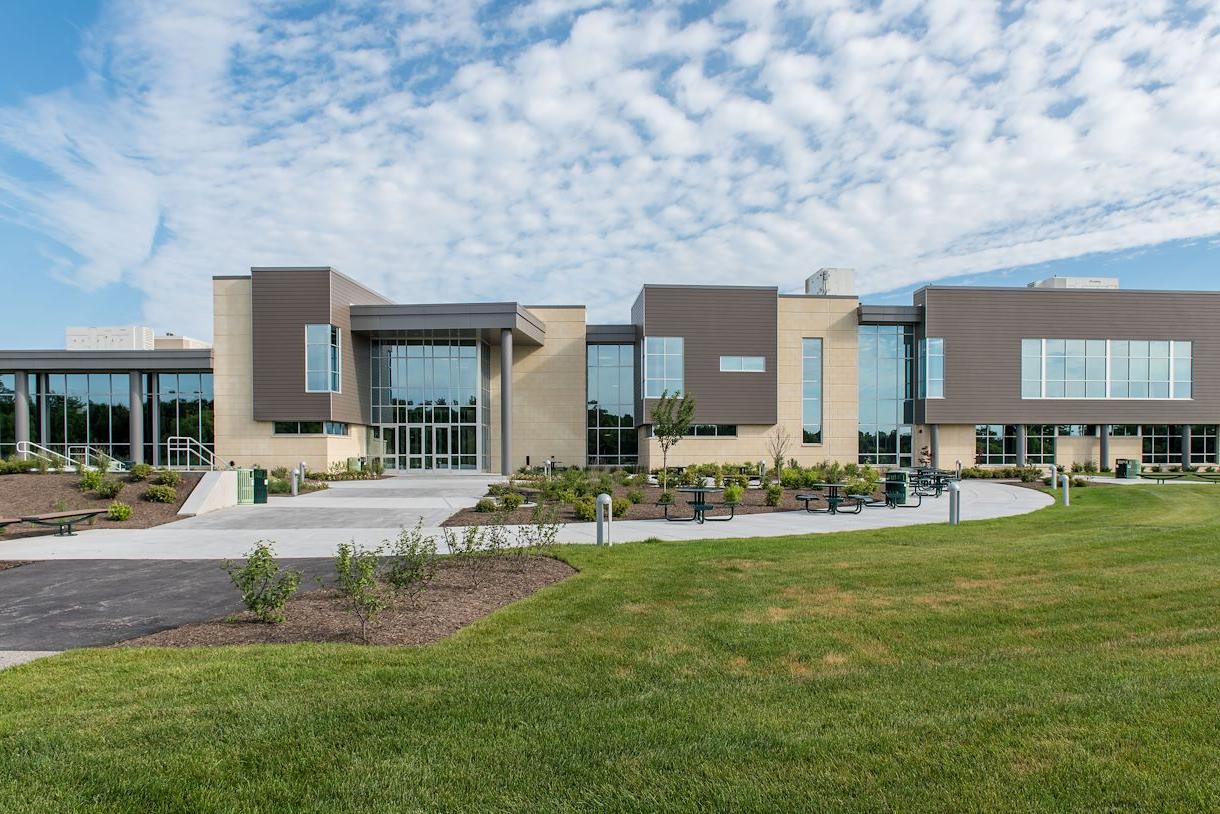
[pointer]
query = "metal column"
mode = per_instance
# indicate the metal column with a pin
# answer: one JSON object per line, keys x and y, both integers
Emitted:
{"x": 1186, "y": 431}
{"x": 1105, "y": 447}
{"x": 934, "y": 444}
{"x": 1022, "y": 444}
{"x": 21, "y": 407}
{"x": 506, "y": 400}
{"x": 135, "y": 416}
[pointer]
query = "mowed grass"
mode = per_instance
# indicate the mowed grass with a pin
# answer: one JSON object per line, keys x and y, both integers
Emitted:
{"x": 1065, "y": 660}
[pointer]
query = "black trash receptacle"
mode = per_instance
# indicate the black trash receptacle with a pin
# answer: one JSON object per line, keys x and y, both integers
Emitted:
{"x": 260, "y": 485}
{"x": 898, "y": 486}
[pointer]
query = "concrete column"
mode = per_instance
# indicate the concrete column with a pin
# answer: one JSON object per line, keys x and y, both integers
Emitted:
{"x": 506, "y": 400}
{"x": 21, "y": 407}
{"x": 934, "y": 444}
{"x": 1186, "y": 429}
{"x": 1022, "y": 444}
{"x": 135, "y": 413}
{"x": 1105, "y": 446}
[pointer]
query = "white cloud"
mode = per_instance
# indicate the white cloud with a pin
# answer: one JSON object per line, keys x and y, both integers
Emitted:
{"x": 569, "y": 150}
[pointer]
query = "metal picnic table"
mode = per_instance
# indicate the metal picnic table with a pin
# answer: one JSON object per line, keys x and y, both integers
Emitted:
{"x": 700, "y": 504}
{"x": 834, "y": 499}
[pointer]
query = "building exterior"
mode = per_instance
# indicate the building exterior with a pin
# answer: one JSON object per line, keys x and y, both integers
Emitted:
{"x": 309, "y": 365}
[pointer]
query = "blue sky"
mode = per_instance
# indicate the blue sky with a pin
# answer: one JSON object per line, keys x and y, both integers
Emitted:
{"x": 569, "y": 150}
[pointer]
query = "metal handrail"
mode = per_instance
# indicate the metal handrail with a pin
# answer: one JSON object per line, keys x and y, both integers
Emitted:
{"x": 87, "y": 454}
{"x": 48, "y": 455}
{"x": 183, "y": 448}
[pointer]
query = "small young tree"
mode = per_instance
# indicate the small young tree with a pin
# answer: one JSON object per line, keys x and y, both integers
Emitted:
{"x": 412, "y": 563}
{"x": 671, "y": 419}
{"x": 264, "y": 588}
{"x": 777, "y": 447}
{"x": 357, "y": 582}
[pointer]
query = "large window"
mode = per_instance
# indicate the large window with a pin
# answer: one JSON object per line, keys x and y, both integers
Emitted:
{"x": 1203, "y": 444}
{"x": 932, "y": 372}
{"x": 611, "y": 429}
{"x": 811, "y": 391}
{"x": 89, "y": 409}
{"x": 995, "y": 444}
{"x": 707, "y": 431}
{"x": 1105, "y": 369}
{"x": 8, "y": 413}
{"x": 743, "y": 364}
{"x": 1162, "y": 443}
{"x": 184, "y": 407}
{"x": 310, "y": 428}
{"x": 663, "y": 366}
{"x": 323, "y": 373}
{"x": 1040, "y": 443}
{"x": 886, "y": 359}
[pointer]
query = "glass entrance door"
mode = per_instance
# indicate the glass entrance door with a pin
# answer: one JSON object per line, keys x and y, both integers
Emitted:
{"x": 415, "y": 446}
{"x": 441, "y": 446}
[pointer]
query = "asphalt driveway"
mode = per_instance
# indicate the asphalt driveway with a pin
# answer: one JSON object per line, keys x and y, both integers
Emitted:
{"x": 63, "y": 604}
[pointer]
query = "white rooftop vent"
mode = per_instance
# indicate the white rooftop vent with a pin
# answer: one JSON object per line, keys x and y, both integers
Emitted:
{"x": 829, "y": 282}
{"x": 1110, "y": 283}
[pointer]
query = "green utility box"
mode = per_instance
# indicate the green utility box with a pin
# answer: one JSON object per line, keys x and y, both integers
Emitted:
{"x": 260, "y": 485}
{"x": 245, "y": 487}
{"x": 898, "y": 486}
{"x": 1127, "y": 469}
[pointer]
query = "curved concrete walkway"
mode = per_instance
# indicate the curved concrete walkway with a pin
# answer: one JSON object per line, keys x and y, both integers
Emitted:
{"x": 369, "y": 512}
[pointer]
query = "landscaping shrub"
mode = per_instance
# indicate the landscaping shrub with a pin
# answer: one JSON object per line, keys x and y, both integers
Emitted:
{"x": 775, "y": 494}
{"x": 511, "y": 501}
{"x": 118, "y": 511}
{"x": 485, "y": 505}
{"x": 12, "y": 465}
{"x": 278, "y": 486}
{"x": 108, "y": 488}
{"x": 538, "y": 538}
{"x": 265, "y": 589}
{"x": 167, "y": 477}
{"x": 666, "y": 497}
{"x": 160, "y": 493}
{"x": 499, "y": 489}
{"x": 620, "y": 506}
{"x": 357, "y": 583}
{"x": 411, "y": 564}
{"x": 90, "y": 479}
{"x": 585, "y": 509}
{"x": 733, "y": 493}
{"x": 280, "y": 473}
{"x": 635, "y": 495}
{"x": 139, "y": 472}
{"x": 792, "y": 477}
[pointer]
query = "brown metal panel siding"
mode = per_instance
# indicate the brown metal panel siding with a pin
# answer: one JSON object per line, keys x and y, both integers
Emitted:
{"x": 717, "y": 322}
{"x": 282, "y": 304}
{"x": 352, "y": 404}
{"x": 983, "y": 328}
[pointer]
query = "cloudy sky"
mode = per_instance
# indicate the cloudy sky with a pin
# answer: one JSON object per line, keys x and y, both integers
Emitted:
{"x": 569, "y": 150}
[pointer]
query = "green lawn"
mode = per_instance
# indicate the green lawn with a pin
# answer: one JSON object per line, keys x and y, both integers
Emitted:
{"x": 1064, "y": 660}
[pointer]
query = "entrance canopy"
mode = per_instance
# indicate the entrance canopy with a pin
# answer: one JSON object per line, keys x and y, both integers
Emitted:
{"x": 487, "y": 319}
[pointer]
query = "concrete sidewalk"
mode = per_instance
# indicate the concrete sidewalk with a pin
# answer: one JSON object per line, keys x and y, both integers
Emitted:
{"x": 313, "y": 526}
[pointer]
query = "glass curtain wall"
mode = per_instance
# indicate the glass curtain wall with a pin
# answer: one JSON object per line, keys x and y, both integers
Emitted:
{"x": 177, "y": 404}
{"x": 610, "y": 379}
{"x": 88, "y": 410}
{"x": 887, "y": 407}
{"x": 8, "y": 412}
{"x": 426, "y": 399}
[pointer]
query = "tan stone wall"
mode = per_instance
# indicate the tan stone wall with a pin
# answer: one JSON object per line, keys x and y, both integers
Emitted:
{"x": 834, "y": 321}
{"x": 239, "y": 438}
{"x": 549, "y": 394}
{"x": 956, "y": 444}
{"x": 1070, "y": 451}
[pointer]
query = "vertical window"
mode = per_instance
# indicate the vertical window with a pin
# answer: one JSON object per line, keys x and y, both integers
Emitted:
{"x": 811, "y": 391}
{"x": 932, "y": 376}
{"x": 1040, "y": 443}
{"x": 8, "y": 414}
{"x": 1203, "y": 444}
{"x": 1162, "y": 443}
{"x": 610, "y": 383}
{"x": 663, "y": 365}
{"x": 886, "y": 360}
{"x": 322, "y": 369}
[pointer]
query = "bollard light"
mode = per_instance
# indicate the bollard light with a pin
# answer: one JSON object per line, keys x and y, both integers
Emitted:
{"x": 955, "y": 503}
{"x": 605, "y": 512}
{"x": 1067, "y": 489}
{"x": 296, "y": 473}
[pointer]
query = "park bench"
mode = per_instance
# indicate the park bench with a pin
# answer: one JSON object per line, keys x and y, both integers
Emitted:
{"x": 869, "y": 501}
{"x": 63, "y": 521}
{"x": 1162, "y": 477}
{"x": 1209, "y": 477}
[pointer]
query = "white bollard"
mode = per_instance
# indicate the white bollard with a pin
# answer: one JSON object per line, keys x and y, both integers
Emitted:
{"x": 955, "y": 503}
{"x": 296, "y": 473}
{"x": 1067, "y": 489}
{"x": 605, "y": 512}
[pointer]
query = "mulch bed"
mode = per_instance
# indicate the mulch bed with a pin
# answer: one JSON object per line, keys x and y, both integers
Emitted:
{"x": 457, "y": 597}
{"x": 53, "y": 492}
{"x": 752, "y": 502}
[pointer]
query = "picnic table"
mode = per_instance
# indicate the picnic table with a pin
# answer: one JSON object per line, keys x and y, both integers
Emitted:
{"x": 701, "y": 504}
{"x": 834, "y": 500}
{"x": 1161, "y": 477}
{"x": 63, "y": 521}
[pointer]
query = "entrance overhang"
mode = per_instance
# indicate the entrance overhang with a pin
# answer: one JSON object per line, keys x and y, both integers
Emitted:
{"x": 486, "y": 319}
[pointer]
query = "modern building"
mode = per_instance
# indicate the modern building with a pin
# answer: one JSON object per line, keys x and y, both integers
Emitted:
{"x": 308, "y": 364}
